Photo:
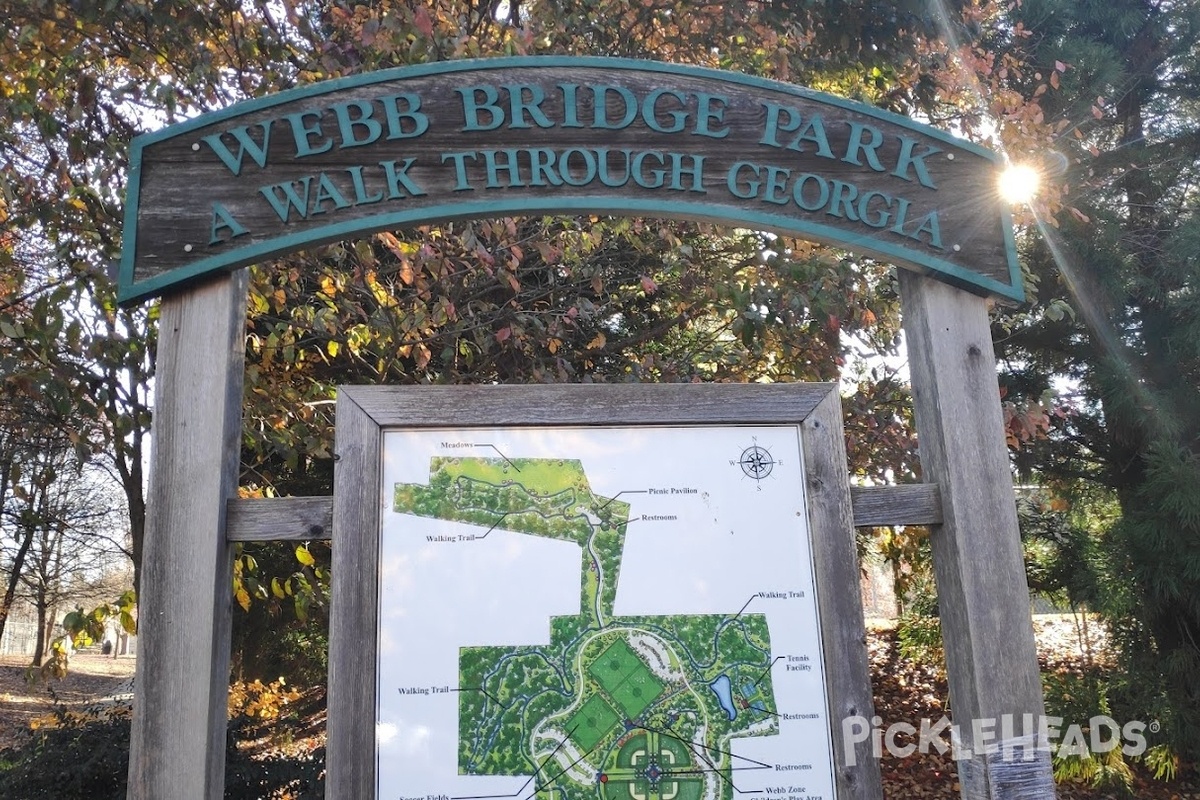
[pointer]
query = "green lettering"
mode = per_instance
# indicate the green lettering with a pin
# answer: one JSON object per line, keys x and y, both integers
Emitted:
{"x": 257, "y": 151}
{"x": 696, "y": 171}
{"x": 602, "y": 164}
{"x": 844, "y": 195}
{"x": 822, "y": 189}
{"x": 397, "y": 177}
{"x": 657, "y": 176}
{"x": 772, "y": 128}
{"x": 733, "y": 180}
{"x": 289, "y": 200}
{"x": 398, "y": 119}
{"x": 784, "y": 119}
{"x": 532, "y": 107}
{"x": 568, "y": 174}
{"x": 882, "y": 216}
{"x": 901, "y": 216}
{"x": 600, "y": 99}
{"x": 710, "y": 107}
{"x": 494, "y": 167}
{"x": 223, "y": 220}
{"x": 906, "y": 159}
{"x": 650, "y": 111}
{"x": 542, "y": 164}
{"x": 303, "y": 134}
{"x": 856, "y": 145}
{"x": 776, "y": 184}
{"x": 570, "y": 105}
{"x": 931, "y": 226}
{"x": 813, "y": 131}
{"x": 360, "y": 188}
{"x": 460, "y": 168}
{"x": 348, "y": 125}
{"x": 472, "y": 108}
{"x": 328, "y": 193}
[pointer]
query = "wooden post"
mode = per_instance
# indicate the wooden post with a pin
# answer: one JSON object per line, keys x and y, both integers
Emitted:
{"x": 843, "y": 628}
{"x": 177, "y": 748}
{"x": 983, "y": 596}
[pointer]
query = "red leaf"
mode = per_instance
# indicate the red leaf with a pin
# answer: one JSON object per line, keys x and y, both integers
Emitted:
{"x": 422, "y": 22}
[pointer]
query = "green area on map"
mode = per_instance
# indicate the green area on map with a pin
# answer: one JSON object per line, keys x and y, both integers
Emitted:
{"x": 620, "y": 708}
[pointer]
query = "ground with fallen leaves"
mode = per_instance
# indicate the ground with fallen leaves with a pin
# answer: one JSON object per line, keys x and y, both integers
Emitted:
{"x": 27, "y": 698}
{"x": 909, "y": 692}
{"x": 904, "y": 691}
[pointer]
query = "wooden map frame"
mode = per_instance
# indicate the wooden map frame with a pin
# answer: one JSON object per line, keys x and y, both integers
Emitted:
{"x": 363, "y": 413}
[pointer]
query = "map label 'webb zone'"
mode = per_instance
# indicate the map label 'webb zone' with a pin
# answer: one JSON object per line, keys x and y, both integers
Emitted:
{"x": 620, "y": 708}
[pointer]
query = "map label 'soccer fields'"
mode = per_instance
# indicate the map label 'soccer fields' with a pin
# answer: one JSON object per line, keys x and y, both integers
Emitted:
{"x": 609, "y": 614}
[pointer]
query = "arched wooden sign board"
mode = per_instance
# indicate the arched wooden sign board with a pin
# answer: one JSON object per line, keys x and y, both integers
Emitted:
{"x": 555, "y": 135}
{"x": 559, "y": 135}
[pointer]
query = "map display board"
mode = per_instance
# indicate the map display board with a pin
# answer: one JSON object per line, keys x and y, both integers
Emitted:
{"x": 621, "y": 613}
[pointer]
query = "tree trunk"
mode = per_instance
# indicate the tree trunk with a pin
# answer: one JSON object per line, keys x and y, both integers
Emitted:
{"x": 39, "y": 649}
{"x": 14, "y": 577}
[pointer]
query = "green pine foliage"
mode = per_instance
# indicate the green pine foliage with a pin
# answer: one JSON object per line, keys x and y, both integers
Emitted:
{"x": 1125, "y": 258}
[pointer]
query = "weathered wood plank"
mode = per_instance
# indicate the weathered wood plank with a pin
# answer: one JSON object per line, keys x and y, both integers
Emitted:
{"x": 279, "y": 519}
{"x": 177, "y": 747}
{"x": 843, "y": 629}
{"x": 983, "y": 596}
{"x": 587, "y": 404}
{"x": 354, "y": 605}
{"x": 909, "y": 504}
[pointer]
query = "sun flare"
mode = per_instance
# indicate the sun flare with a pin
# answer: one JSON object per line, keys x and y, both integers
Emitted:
{"x": 1019, "y": 183}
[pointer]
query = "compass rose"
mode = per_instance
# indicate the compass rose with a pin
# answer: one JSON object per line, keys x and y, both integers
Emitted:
{"x": 756, "y": 462}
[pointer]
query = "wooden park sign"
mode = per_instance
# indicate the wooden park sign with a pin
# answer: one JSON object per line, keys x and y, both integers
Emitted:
{"x": 552, "y": 136}
{"x": 559, "y": 135}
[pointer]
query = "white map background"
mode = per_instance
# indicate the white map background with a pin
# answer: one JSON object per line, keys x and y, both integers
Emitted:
{"x": 734, "y": 538}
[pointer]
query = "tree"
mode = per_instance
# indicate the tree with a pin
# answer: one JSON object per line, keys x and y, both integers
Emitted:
{"x": 1118, "y": 319}
{"x": 57, "y": 522}
{"x": 79, "y": 84}
{"x": 25, "y": 508}
{"x": 72, "y": 549}
{"x": 568, "y": 299}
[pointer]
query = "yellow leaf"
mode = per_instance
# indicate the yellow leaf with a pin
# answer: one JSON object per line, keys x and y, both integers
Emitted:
{"x": 598, "y": 342}
{"x": 243, "y": 598}
{"x": 304, "y": 557}
{"x": 332, "y": 349}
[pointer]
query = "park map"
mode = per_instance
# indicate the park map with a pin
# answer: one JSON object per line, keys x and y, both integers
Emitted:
{"x": 609, "y": 707}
